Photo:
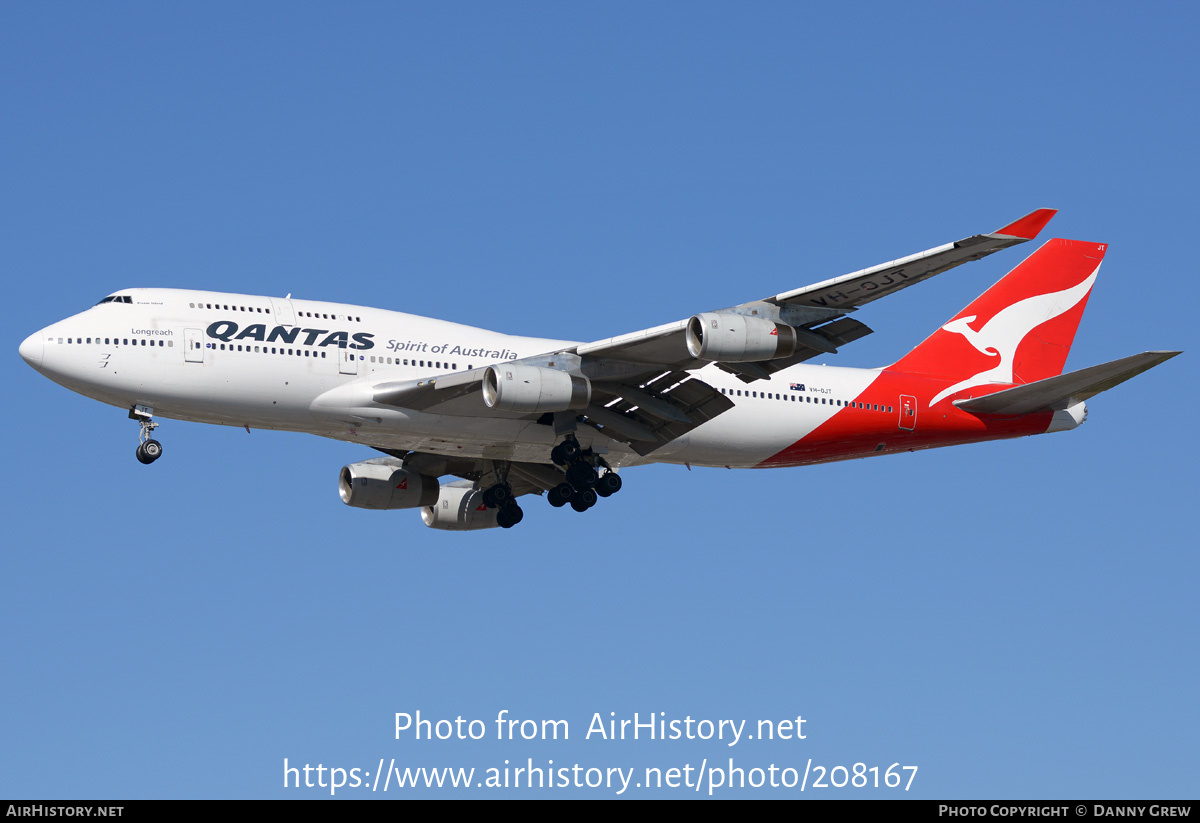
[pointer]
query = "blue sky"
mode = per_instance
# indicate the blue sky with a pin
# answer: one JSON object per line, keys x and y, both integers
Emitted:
{"x": 1016, "y": 619}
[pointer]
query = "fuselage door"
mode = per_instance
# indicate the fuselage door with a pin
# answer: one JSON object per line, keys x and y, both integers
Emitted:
{"x": 348, "y": 364}
{"x": 285, "y": 315}
{"x": 908, "y": 412}
{"x": 193, "y": 346}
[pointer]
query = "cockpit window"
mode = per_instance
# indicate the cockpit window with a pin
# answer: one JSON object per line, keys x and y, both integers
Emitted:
{"x": 117, "y": 298}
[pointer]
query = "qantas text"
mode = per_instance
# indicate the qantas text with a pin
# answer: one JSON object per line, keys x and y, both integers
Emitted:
{"x": 227, "y": 330}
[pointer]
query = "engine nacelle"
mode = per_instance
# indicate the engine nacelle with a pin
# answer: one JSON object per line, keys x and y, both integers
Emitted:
{"x": 514, "y": 387}
{"x": 459, "y": 509}
{"x": 734, "y": 338}
{"x": 385, "y": 485}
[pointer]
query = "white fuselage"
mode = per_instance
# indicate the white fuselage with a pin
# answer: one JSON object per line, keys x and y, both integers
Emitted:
{"x": 307, "y": 366}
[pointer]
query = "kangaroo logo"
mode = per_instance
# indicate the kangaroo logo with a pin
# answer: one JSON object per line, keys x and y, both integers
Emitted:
{"x": 1001, "y": 335}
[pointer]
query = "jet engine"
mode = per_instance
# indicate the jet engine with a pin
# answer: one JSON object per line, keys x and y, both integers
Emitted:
{"x": 459, "y": 509}
{"x": 734, "y": 338}
{"x": 385, "y": 484}
{"x": 514, "y": 387}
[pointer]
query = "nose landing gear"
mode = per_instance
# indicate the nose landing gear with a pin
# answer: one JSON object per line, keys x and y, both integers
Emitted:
{"x": 148, "y": 449}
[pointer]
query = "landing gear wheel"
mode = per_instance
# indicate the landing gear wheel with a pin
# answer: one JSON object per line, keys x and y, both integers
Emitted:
{"x": 497, "y": 495}
{"x": 608, "y": 484}
{"x": 560, "y": 495}
{"x": 583, "y": 500}
{"x": 510, "y": 514}
{"x": 581, "y": 476}
{"x": 564, "y": 452}
{"x": 149, "y": 451}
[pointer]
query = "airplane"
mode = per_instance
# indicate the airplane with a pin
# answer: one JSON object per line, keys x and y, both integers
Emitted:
{"x": 468, "y": 420}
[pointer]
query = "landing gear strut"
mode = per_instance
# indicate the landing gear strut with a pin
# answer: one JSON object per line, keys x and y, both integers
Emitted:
{"x": 148, "y": 449}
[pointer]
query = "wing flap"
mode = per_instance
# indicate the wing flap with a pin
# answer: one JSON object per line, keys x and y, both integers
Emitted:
{"x": 645, "y": 430}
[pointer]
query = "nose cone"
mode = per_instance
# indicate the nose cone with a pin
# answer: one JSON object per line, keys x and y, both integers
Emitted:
{"x": 31, "y": 349}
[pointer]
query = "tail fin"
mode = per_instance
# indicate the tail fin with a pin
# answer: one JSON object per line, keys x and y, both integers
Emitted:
{"x": 1018, "y": 331}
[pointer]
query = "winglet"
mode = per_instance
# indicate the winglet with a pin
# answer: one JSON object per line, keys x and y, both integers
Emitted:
{"x": 1028, "y": 226}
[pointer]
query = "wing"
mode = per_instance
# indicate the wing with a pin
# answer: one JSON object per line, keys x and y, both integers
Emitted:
{"x": 818, "y": 312}
{"x": 640, "y": 386}
{"x": 523, "y": 478}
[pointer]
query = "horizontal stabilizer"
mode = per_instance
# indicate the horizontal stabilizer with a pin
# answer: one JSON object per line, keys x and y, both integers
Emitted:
{"x": 1064, "y": 390}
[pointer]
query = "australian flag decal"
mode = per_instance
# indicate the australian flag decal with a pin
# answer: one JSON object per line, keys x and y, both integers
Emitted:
{"x": 797, "y": 387}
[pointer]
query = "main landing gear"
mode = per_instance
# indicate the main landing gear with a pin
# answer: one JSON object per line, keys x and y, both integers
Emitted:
{"x": 584, "y": 484}
{"x": 500, "y": 496}
{"x": 586, "y": 478}
{"x": 148, "y": 449}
